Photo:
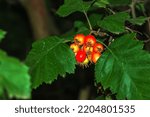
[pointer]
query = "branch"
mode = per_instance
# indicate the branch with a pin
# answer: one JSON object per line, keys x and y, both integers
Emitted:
{"x": 90, "y": 26}
{"x": 132, "y": 6}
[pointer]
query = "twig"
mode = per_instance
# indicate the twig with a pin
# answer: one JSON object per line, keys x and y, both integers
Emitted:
{"x": 148, "y": 38}
{"x": 132, "y": 6}
{"x": 108, "y": 49}
{"x": 90, "y": 26}
{"x": 98, "y": 33}
{"x": 148, "y": 21}
{"x": 146, "y": 41}
{"x": 132, "y": 30}
{"x": 111, "y": 10}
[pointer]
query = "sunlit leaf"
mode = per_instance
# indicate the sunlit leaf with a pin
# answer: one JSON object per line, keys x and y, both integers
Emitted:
{"x": 14, "y": 77}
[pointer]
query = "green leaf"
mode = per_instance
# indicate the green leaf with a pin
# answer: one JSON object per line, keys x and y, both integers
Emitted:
{"x": 14, "y": 77}
{"x": 49, "y": 58}
{"x": 141, "y": 7}
{"x": 94, "y": 19}
{"x": 80, "y": 27}
{"x": 114, "y": 23}
{"x": 101, "y": 3}
{"x": 138, "y": 21}
{"x": 2, "y": 34}
{"x": 119, "y": 2}
{"x": 125, "y": 69}
{"x": 71, "y": 6}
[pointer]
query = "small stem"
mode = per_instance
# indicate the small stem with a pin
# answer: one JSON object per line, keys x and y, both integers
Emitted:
{"x": 90, "y": 26}
{"x": 108, "y": 49}
{"x": 132, "y": 6}
{"x": 132, "y": 30}
{"x": 146, "y": 41}
{"x": 111, "y": 10}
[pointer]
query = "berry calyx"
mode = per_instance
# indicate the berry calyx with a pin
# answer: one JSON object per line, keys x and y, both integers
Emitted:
{"x": 89, "y": 40}
{"x": 87, "y": 49}
{"x": 89, "y": 56}
{"x": 75, "y": 48}
{"x": 95, "y": 56}
{"x": 98, "y": 47}
{"x": 85, "y": 62}
{"x": 79, "y": 39}
{"x": 80, "y": 56}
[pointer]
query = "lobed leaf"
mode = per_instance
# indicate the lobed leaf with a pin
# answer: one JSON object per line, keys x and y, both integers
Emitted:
{"x": 71, "y": 6}
{"x": 95, "y": 18}
{"x": 125, "y": 69}
{"x": 119, "y": 2}
{"x": 138, "y": 21}
{"x": 49, "y": 58}
{"x": 114, "y": 23}
{"x": 14, "y": 77}
{"x": 101, "y": 3}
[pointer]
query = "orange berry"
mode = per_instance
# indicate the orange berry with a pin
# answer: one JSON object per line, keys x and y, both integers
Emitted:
{"x": 79, "y": 39}
{"x": 95, "y": 56}
{"x": 87, "y": 49}
{"x": 98, "y": 47}
{"x": 89, "y": 40}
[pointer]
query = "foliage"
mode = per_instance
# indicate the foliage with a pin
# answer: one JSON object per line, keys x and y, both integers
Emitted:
{"x": 114, "y": 23}
{"x": 138, "y": 21}
{"x": 101, "y": 3}
{"x": 123, "y": 67}
{"x": 76, "y": 5}
{"x": 119, "y": 2}
{"x": 2, "y": 34}
{"x": 48, "y": 59}
{"x": 14, "y": 77}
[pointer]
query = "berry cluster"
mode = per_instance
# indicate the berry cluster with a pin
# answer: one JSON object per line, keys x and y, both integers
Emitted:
{"x": 86, "y": 49}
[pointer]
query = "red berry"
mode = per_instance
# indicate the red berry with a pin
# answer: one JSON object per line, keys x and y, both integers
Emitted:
{"x": 79, "y": 39}
{"x": 89, "y": 40}
{"x": 95, "y": 56}
{"x": 80, "y": 56}
{"x": 98, "y": 47}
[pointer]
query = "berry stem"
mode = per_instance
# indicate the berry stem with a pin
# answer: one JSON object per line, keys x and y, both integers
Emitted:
{"x": 108, "y": 49}
{"x": 90, "y": 26}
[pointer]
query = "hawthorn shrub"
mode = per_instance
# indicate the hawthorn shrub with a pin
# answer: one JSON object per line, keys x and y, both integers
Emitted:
{"x": 123, "y": 67}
